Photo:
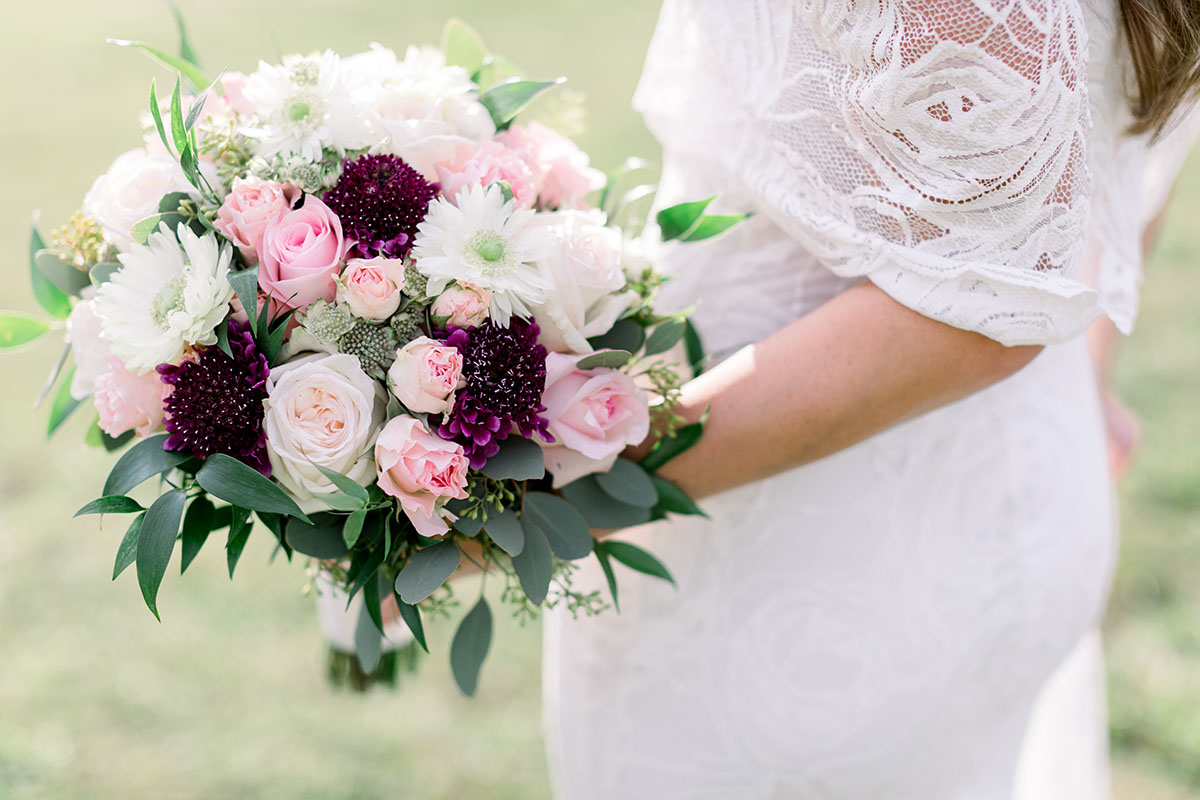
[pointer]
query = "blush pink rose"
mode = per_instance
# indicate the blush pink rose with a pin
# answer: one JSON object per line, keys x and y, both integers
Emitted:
{"x": 421, "y": 470}
{"x": 491, "y": 163}
{"x": 425, "y": 375}
{"x": 562, "y": 172}
{"x": 300, "y": 255}
{"x": 234, "y": 86}
{"x": 593, "y": 414}
{"x": 126, "y": 401}
{"x": 371, "y": 287}
{"x": 249, "y": 207}
{"x": 463, "y": 305}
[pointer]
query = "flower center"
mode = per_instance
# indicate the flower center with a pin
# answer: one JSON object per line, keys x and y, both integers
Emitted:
{"x": 491, "y": 253}
{"x": 168, "y": 299}
{"x": 298, "y": 111}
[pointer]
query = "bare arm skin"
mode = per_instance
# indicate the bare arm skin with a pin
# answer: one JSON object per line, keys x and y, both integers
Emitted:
{"x": 856, "y": 366}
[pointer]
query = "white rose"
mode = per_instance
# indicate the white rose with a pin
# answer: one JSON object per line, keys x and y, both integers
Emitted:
{"x": 321, "y": 409}
{"x": 88, "y": 349}
{"x": 585, "y": 268}
{"x": 130, "y": 191}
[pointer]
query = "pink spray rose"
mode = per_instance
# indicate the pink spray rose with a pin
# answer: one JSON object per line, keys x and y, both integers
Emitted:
{"x": 425, "y": 375}
{"x": 562, "y": 172}
{"x": 593, "y": 414}
{"x": 463, "y": 305}
{"x": 491, "y": 163}
{"x": 127, "y": 401}
{"x": 422, "y": 470}
{"x": 371, "y": 287}
{"x": 251, "y": 205}
{"x": 301, "y": 252}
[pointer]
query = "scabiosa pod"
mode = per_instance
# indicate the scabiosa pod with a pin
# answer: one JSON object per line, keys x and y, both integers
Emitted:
{"x": 380, "y": 200}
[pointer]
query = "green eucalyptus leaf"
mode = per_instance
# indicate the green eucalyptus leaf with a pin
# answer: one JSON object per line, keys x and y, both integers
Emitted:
{"x": 624, "y": 335}
{"x": 468, "y": 525}
{"x": 63, "y": 406}
{"x": 665, "y": 336}
{"x": 505, "y": 100}
{"x": 240, "y": 485}
{"x": 353, "y": 526}
{"x": 470, "y": 647}
{"x": 637, "y": 559}
{"x": 102, "y": 273}
{"x": 518, "y": 459}
{"x": 144, "y": 460}
{"x": 111, "y": 505}
{"x": 629, "y": 483}
{"x": 426, "y": 570}
{"x": 611, "y": 359}
{"x": 156, "y": 542}
{"x": 368, "y": 641}
{"x": 189, "y": 71}
{"x": 127, "y": 552}
{"x": 53, "y": 300}
{"x": 239, "y": 533}
{"x": 505, "y": 530}
{"x": 599, "y": 508}
{"x": 412, "y": 618}
{"x": 67, "y": 277}
{"x": 463, "y": 46}
{"x": 672, "y": 446}
{"x": 677, "y": 221}
{"x": 321, "y": 537}
{"x": 711, "y": 225}
{"x": 199, "y": 521}
{"x": 675, "y": 500}
{"x": 534, "y": 565}
{"x": 565, "y": 528}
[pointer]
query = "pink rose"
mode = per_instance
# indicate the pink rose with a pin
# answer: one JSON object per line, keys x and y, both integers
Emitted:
{"x": 593, "y": 414}
{"x": 463, "y": 305}
{"x": 249, "y": 207}
{"x": 301, "y": 252}
{"x": 425, "y": 375}
{"x": 422, "y": 470}
{"x": 128, "y": 401}
{"x": 234, "y": 85}
{"x": 371, "y": 287}
{"x": 562, "y": 172}
{"x": 491, "y": 163}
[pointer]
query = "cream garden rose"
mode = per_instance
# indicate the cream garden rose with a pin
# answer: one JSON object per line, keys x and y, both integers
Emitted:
{"x": 585, "y": 268}
{"x": 321, "y": 410}
{"x": 425, "y": 375}
{"x": 594, "y": 414}
{"x": 130, "y": 191}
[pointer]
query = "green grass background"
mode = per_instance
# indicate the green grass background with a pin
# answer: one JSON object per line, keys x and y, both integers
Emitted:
{"x": 227, "y": 698}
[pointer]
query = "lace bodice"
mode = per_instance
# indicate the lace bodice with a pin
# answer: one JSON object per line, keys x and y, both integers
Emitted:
{"x": 952, "y": 153}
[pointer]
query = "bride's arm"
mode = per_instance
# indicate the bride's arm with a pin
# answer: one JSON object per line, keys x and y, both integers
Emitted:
{"x": 850, "y": 369}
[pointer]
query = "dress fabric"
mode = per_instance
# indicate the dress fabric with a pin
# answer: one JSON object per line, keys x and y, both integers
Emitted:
{"x": 879, "y": 623}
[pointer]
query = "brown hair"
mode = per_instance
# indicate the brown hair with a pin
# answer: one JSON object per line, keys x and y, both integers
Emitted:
{"x": 1164, "y": 41}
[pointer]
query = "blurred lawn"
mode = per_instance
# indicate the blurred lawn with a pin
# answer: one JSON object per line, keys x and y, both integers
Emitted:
{"x": 227, "y": 698}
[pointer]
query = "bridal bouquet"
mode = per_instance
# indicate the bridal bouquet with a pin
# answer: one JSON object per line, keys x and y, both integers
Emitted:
{"x": 366, "y": 302}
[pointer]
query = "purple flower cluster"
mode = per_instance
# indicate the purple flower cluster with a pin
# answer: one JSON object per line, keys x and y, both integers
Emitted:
{"x": 505, "y": 374}
{"x": 216, "y": 405}
{"x": 380, "y": 201}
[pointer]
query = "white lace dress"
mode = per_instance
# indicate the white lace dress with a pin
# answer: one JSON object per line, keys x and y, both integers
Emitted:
{"x": 876, "y": 624}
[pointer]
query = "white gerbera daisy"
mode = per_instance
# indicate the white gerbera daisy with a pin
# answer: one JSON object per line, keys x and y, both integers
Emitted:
{"x": 303, "y": 106}
{"x": 486, "y": 242}
{"x": 165, "y": 298}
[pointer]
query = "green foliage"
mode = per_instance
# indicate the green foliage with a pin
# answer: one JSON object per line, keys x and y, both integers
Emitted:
{"x": 368, "y": 641}
{"x": 611, "y": 359}
{"x": 426, "y": 570}
{"x": 611, "y": 579}
{"x": 68, "y": 278}
{"x": 111, "y": 505}
{"x": 625, "y": 335}
{"x": 599, "y": 508}
{"x": 320, "y": 537}
{"x": 673, "y": 499}
{"x": 463, "y": 46}
{"x": 470, "y": 647}
{"x": 565, "y": 528}
{"x": 240, "y": 527}
{"x": 353, "y": 526}
{"x": 144, "y": 460}
{"x": 229, "y": 479}
{"x": 199, "y": 521}
{"x": 505, "y": 530}
{"x": 64, "y": 404}
{"x": 127, "y": 551}
{"x": 534, "y": 565}
{"x": 190, "y": 72}
{"x": 665, "y": 336}
{"x": 635, "y": 558}
{"x": 628, "y": 483}
{"x": 17, "y": 329}
{"x": 518, "y": 459}
{"x": 677, "y": 220}
{"x": 676, "y": 445}
{"x": 712, "y": 225}
{"x": 156, "y": 542}
{"x": 506, "y": 100}
{"x": 53, "y": 300}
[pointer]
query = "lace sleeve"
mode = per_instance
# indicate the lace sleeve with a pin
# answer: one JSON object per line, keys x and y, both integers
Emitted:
{"x": 938, "y": 149}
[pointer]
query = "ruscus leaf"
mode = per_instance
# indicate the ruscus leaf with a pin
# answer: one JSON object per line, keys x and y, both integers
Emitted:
{"x": 236, "y": 483}
{"x": 52, "y": 299}
{"x": 17, "y": 329}
{"x": 156, "y": 542}
{"x": 144, "y": 460}
{"x": 672, "y": 446}
{"x": 637, "y": 559}
{"x": 677, "y": 221}
{"x": 110, "y": 505}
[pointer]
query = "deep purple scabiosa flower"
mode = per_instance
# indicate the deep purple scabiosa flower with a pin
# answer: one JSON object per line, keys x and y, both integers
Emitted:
{"x": 505, "y": 374}
{"x": 217, "y": 403}
{"x": 380, "y": 201}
